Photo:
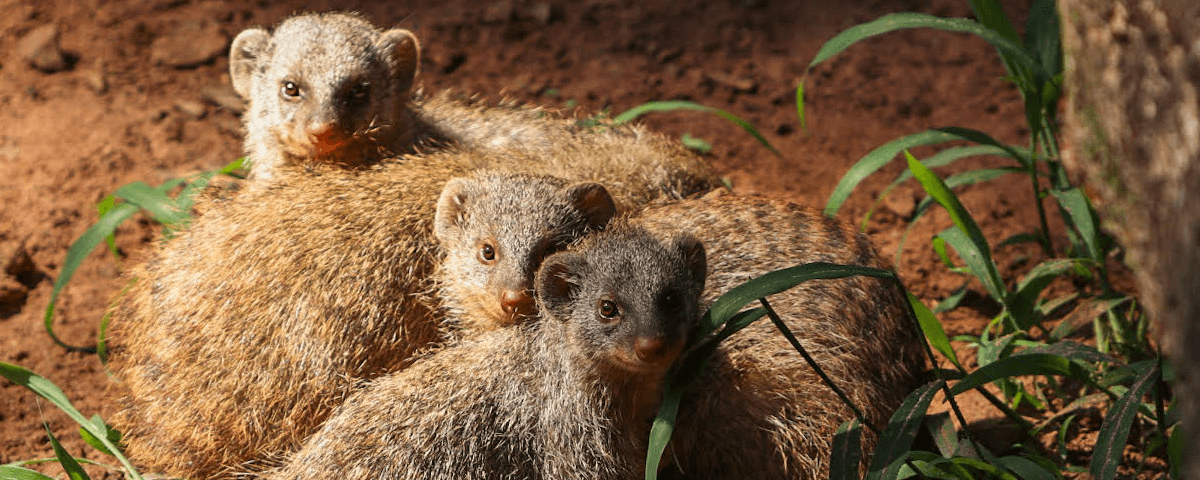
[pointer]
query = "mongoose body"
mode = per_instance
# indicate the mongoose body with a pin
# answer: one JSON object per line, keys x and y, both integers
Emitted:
{"x": 758, "y": 411}
{"x": 332, "y": 89}
{"x": 567, "y": 395}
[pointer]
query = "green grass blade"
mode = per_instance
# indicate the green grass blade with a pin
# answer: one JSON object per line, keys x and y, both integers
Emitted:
{"x": 1082, "y": 217}
{"x": 1043, "y": 38}
{"x": 1021, "y": 155}
{"x": 933, "y": 330}
{"x": 1114, "y": 433}
{"x": 113, "y": 436}
{"x": 698, "y": 145}
{"x": 1071, "y": 351}
{"x": 897, "y": 438}
{"x": 48, "y": 390}
{"x": 992, "y": 16}
{"x": 673, "y": 105}
{"x": 660, "y": 431}
{"x": 774, "y": 282}
{"x": 846, "y": 453}
{"x": 975, "y": 252}
{"x": 9, "y": 472}
{"x": 1019, "y": 365}
{"x": 951, "y": 301}
{"x": 876, "y": 159}
{"x": 1031, "y": 286}
{"x": 800, "y": 106}
{"x": 1026, "y": 469}
{"x": 75, "y": 255}
{"x": 1009, "y": 48}
{"x": 941, "y": 428}
{"x": 73, "y": 469}
{"x": 939, "y": 159}
{"x": 154, "y": 200}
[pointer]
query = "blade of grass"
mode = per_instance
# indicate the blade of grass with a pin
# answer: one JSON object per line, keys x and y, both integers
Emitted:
{"x": 939, "y": 159}
{"x": 1114, "y": 433}
{"x": 673, "y": 105}
{"x": 73, "y": 469}
{"x": 9, "y": 472}
{"x": 933, "y": 330}
{"x": 897, "y": 438}
{"x": 876, "y": 159}
{"x": 48, "y": 390}
{"x": 846, "y": 453}
{"x": 1019, "y": 365}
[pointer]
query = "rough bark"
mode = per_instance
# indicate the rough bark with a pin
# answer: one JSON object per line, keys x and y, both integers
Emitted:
{"x": 1132, "y": 83}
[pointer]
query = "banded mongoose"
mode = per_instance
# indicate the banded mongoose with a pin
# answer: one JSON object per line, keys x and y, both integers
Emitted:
{"x": 759, "y": 411}
{"x": 567, "y": 395}
{"x": 332, "y": 89}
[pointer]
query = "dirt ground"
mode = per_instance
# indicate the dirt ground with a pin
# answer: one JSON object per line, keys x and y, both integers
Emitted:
{"x": 117, "y": 113}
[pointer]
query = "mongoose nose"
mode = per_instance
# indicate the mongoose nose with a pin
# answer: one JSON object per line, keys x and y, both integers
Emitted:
{"x": 648, "y": 348}
{"x": 320, "y": 130}
{"x": 516, "y": 302}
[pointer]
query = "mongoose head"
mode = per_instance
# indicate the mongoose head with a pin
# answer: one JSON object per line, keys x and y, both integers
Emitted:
{"x": 628, "y": 298}
{"x": 495, "y": 229}
{"x": 323, "y": 89}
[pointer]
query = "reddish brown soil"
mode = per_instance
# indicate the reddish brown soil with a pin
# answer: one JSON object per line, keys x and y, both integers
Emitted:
{"x": 67, "y": 142}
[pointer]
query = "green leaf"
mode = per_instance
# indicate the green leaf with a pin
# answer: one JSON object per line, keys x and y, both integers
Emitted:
{"x": 154, "y": 200}
{"x": 113, "y": 436}
{"x": 695, "y": 144}
{"x": 939, "y": 159}
{"x": 992, "y": 16}
{"x": 660, "y": 430}
{"x": 876, "y": 159}
{"x": 1018, "y": 365}
{"x": 896, "y": 439}
{"x": 774, "y": 282}
{"x": 901, "y": 21}
{"x": 1175, "y": 451}
{"x": 1082, "y": 218}
{"x": 1043, "y": 39}
{"x": 1021, "y": 155}
{"x": 74, "y": 471}
{"x": 800, "y": 106}
{"x": 1071, "y": 351}
{"x": 933, "y": 330}
{"x": 1024, "y": 299}
{"x": 1026, "y": 469}
{"x": 672, "y": 105}
{"x": 941, "y": 428}
{"x": 846, "y": 453}
{"x": 102, "y": 209}
{"x": 1114, "y": 433}
{"x": 48, "y": 390}
{"x": 974, "y": 252}
{"x": 78, "y": 251}
{"x": 9, "y": 472}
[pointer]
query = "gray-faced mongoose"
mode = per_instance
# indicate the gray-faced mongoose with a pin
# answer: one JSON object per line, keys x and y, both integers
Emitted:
{"x": 759, "y": 411}
{"x": 568, "y": 395}
{"x": 332, "y": 89}
{"x": 495, "y": 230}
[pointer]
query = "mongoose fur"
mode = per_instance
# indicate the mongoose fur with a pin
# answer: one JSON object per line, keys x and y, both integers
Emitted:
{"x": 567, "y": 396}
{"x": 758, "y": 411}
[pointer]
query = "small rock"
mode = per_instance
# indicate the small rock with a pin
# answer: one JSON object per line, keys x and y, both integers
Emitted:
{"x": 96, "y": 81}
{"x": 40, "y": 48}
{"x": 191, "y": 108}
{"x": 16, "y": 260}
{"x": 738, "y": 84}
{"x": 224, "y": 97}
{"x": 12, "y": 293}
{"x": 189, "y": 46}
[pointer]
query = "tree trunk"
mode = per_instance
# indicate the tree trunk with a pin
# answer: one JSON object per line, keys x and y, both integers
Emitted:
{"x": 1132, "y": 83}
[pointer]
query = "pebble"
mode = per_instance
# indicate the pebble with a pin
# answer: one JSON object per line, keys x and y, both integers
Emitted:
{"x": 189, "y": 46}
{"x": 224, "y": 97}
{"x": 738, "y": 84}
{"x": 40, "y": 48}
{"x": 191, "y": 108}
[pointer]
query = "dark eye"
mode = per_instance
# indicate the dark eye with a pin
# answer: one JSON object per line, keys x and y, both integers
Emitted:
{"x": 670, "y": 300}
{"x": 487, "y": 253}
{"x": 290, "y": 89}
{"x": 360, "y": 93}
{"x": 608, "y": 309}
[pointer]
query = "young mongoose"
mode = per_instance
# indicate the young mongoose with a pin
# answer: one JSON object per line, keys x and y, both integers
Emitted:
{"x": 566, "y": 396}
{"x": 332, "y": 89}
{"x": 758, "y": 411}
{"x": 485, "y": 223}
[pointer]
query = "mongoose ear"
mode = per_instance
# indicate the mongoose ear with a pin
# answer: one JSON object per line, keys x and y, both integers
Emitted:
{"x": 555, "y": 285}
{"x": 451, "y": 207}
{"x": 694, "y": 257}
{"x": 404, "y": 55}
{"x": 243, "y": 58}
{"x": 593, "y": 200}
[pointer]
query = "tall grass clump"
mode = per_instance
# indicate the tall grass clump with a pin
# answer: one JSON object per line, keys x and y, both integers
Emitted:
{"x": 1046, "y": 379}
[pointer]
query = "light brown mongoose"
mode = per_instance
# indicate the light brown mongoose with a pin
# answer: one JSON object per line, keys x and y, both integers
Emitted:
{"x": 759, "y": 411}
{"x": 332, "y": 89}
{"x": 568, "y": 396}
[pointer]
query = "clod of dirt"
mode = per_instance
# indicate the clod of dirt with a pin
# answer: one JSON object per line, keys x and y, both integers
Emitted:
{"x": 191, "y": 108}
{"x": 738, "y": 84}
{"x": 18, "y": 276}
{"x": 40, "y": 48}
{"x": 189, "y": 46}
{"x": 224, "y": 97}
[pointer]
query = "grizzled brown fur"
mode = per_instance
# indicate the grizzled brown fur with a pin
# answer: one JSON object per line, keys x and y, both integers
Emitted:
{"x": 759, "y": 411}
{"x": 565, "y": 397}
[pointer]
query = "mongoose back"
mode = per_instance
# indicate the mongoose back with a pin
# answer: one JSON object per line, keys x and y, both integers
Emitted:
{"x": 566, "y": 396}
{"x": 332, "y": 89}
{"x": 759, "y": 411}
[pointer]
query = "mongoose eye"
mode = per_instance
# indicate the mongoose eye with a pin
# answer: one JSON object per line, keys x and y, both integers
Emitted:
{"x": 487, "y": 253}
{"x": 608, "y": 309}
{"x": 290, "y": 89}
{"x": 360, "y": 93}
{"x": 670, "y": 300}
